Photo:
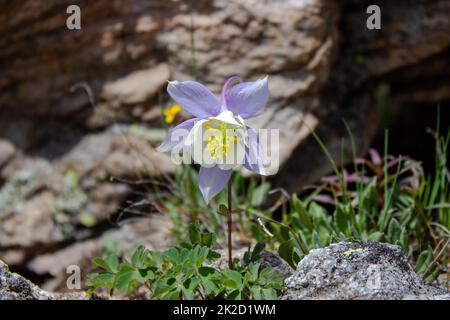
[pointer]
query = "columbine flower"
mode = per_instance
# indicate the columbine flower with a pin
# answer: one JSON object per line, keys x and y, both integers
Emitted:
{"x": 217, "y": 138}
{"x": 170, "y": 113}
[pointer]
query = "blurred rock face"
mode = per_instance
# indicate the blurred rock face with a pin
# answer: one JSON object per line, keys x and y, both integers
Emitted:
{"x": 68, "y": 97}
{"x": 125, "y": 48}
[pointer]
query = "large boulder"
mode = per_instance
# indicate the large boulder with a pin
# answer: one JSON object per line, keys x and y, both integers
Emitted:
{"x": 358, "y": 271}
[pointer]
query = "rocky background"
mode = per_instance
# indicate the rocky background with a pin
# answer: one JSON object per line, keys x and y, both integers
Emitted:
{"x": 80, "y": 110}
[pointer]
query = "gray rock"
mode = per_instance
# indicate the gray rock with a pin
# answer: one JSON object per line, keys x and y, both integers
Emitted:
{"x": 358, "y": 271}
{"x": 137, "y": 87}
{"x": 15, "y": 287}
{"x": 45, "y": 204}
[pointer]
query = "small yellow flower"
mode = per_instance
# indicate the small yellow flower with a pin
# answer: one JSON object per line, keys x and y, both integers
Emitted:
{"x": 171, "y": 112}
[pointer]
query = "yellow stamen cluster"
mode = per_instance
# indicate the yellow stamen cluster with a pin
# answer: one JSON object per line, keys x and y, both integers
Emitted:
{"x": 171, "y": 112}
{"x": 222, "y": 137}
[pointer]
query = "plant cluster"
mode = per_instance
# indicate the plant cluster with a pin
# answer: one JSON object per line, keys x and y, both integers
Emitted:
{"x": 187, "y": 272}
{"x": 385, "y": 199}
{"x": 382, "y": 198}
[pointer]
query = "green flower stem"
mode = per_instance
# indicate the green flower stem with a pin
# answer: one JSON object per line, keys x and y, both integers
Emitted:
{"x": 230, "y": 222}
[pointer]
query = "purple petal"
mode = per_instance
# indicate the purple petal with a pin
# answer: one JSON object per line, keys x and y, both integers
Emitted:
{"x": 212, "y": 181}
{"x": 375, "y": 156}
{"x": 177, "y": 135}
{"x": 247, "y": 99}
{"x": 345, "y": 177}
{"x": 355, "y": 178}
{"x": 225, "y": 90}
{"x": 323, "y": 198}
{"x": 253, "y": 153}
{"x": 331, "y": 180}
{"x": 195, "y": 98}
{"x": 395, "y": 160}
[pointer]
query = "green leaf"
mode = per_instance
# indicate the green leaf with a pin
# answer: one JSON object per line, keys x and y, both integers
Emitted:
{"x": 213, "y": 255}
{"x": 286, "y": 252}
{"x": 187, "y": 294}
{"x": 207, "y": 271}
{"x": 173, "y": 255}
{"x": 296, "y": 256}
{"x": 316, "y": 239}
{"x": 406, "y": 217}
{"x": 259, "y": 194}
{"x": 102, "y": 279}
{"x": 110, "y": 263}
{"x": 190, "y": 256}
{"x": 256, "y": 292}
{"x": 269, "y": 294}
{"x": 172, "y": 295}
{"x": 113, "y": 263}
{"x": 188, "y": 288}
{"x": 147, "y": 274}
{"x": 232, "y": 279}
{"x": 341, "y": 220}
{"x": 126, "y": 278}
{"x": 208, "y": 240}
{"x": 270, "y": 278}
{"x": 223, "y": 210}
{"x": 404, "y": 239}
{"x": 247, "y": 256}
{"x": 156, "y": 259}
{"x": 99, "y": 262}
{"x": 375, "y": 236}
{"x": 253, "y": 270}
{"x": 423, "y": 261}
{"x": 209, "y": 286}
{"x": 162, "y": 286}
{"x": 257, "y": 249}
{"x": 300, "y": 210}
{"x": 433, "y": 274}
{"x": 194, "y": 233}
{"x": 139, "y": 257}
{"x": 394, "y": 231}
{"x": 284, "y": 233}
{"x": 235, "y": 295}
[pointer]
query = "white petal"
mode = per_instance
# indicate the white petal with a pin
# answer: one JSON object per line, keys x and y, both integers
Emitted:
{"x": 228, "y": 117}
{"x": 195, "y": 132}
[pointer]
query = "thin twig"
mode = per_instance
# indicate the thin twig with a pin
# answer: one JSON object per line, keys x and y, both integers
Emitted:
{"x": 264, "y": 228}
